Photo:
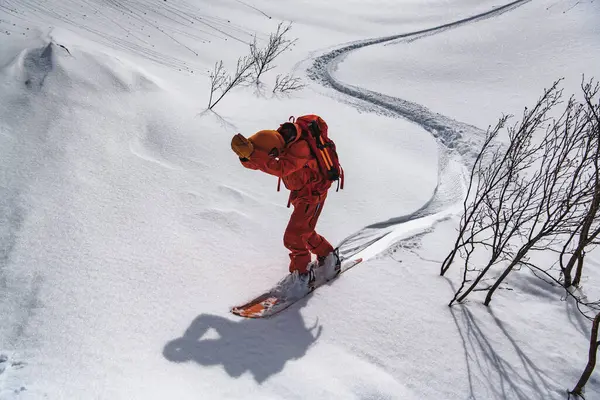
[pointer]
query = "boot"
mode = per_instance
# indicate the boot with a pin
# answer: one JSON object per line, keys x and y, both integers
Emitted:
{"x": 330, "y": 265}
{"x": 297, "y": 285}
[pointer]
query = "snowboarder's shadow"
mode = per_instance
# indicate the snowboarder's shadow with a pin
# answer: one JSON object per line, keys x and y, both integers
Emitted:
{"x": 261, "y": 347}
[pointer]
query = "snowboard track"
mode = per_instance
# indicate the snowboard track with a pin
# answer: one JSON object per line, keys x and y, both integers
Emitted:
{"x": 458, "y": 142}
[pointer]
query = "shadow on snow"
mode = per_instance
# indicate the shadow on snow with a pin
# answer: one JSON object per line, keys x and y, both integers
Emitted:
{"x": 494, "y": 370}
{"x": 261, "y": 347}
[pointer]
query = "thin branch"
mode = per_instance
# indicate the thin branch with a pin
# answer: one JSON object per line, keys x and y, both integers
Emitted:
{"x": 287, "y": 84}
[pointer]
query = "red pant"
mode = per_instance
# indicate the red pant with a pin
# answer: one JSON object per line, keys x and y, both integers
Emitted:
{"x": 300, "y": 236}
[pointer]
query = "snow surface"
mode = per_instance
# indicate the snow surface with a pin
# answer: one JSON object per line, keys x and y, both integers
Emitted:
{"x": 127, "y": 224}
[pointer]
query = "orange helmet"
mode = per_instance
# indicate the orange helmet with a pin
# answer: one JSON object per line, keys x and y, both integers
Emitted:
{"x": 268, "y": 140}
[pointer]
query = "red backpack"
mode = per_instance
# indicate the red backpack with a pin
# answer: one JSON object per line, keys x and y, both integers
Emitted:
{"x": 314, "y": 131}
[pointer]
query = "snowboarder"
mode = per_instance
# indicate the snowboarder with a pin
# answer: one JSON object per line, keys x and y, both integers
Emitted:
{"x": 286, "y": 154}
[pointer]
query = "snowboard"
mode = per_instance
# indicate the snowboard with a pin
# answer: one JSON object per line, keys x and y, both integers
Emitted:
{"x": 275, "y": 300}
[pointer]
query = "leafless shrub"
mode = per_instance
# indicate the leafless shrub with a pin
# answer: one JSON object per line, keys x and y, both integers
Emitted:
{"x": 222, "y": 82}
{"x": 500, "y": 201}
{"x": 479, "y": 185}
{"x": 589, "y": 368}
{"x": 250, "y": 68}
{"x": 587, "y": 232}
{"x": 529, "y": 195}
{"x": 287, "y": 83}
{"x": 558, "y": 189}
{"x": 218, "y": 77}
{"x": 263, "y": 57}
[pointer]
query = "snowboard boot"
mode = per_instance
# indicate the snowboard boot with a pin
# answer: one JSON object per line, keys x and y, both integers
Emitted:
{"x": 297, "y": 285}
{"x": 308, "y": 277}
{"x": 330, "y": 264}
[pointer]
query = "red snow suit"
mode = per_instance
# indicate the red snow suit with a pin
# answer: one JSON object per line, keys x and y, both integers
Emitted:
{"x": 299, "y": 170}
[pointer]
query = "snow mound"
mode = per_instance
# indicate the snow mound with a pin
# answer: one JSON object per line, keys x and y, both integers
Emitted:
{"x": 94, "y": 71}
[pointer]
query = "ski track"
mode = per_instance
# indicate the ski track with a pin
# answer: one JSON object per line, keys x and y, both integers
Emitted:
{"x": 458, "y": 142}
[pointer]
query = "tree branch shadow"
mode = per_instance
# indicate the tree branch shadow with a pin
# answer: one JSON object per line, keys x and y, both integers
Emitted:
{"x": 502, "y": 377}
{"x": 222, "y": 121}
{"x": 261, "y": 347}
{"x": 576, "y": 318}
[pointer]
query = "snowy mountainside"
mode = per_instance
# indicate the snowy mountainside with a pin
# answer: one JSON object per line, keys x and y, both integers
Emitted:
{"x": 127, "y": 224}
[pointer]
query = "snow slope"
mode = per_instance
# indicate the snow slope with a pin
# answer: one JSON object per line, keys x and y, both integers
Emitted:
{"x": 479, "y": 73}
{"x": 128, "y": 227}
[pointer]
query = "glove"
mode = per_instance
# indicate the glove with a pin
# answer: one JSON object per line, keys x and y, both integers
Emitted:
{"x": 242, "y": 146}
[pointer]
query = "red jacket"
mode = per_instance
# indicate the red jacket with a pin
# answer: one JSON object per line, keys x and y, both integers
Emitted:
{"x": 298, "y": 169}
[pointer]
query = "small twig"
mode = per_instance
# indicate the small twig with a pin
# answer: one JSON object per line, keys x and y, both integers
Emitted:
{"x": 287, "y": 84}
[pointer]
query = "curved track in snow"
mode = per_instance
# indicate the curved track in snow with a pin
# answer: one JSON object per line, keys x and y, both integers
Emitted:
{"x": 457, "y": 141}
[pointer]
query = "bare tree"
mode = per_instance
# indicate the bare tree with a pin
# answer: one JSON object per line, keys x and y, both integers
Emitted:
{"x": 503, "y": 200}
{"x": 493, "y": 172}
{"x": 287, "y": 84}
{"x": 476, "y": 190}
{"x": 252, "y": 67}
{"x": 589, "y": 368}
{"x": 222, "y": 82}
{"x": 218, "y": 78}
{"x": 563, "y": 187}
{"x": 531, "y": 194}
{"x": 263, "y": 57}
{"x": 588, "y": 229}
{"x": 539, "y": 192}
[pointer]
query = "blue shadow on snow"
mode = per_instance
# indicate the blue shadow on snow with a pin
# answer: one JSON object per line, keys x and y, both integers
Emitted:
{"x": 259, "y": 346}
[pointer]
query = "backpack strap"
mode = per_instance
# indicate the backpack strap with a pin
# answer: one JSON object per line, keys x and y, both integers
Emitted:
{"x": 341, "y": 180}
